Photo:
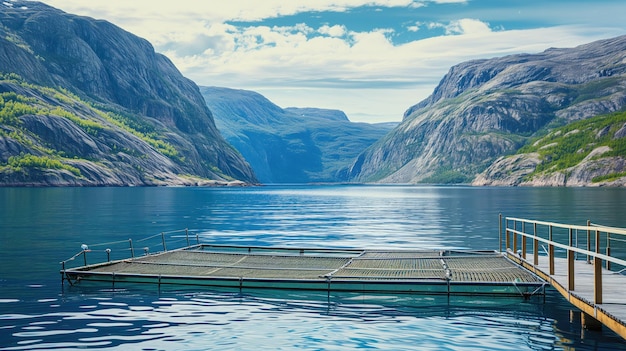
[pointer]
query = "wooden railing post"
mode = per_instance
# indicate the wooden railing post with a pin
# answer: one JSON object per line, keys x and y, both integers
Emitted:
{"x": 551, "y": 251}
{"x": 570, "y": 262}
{"x": 608, "y": 249}
{"x": 597, "y": 273}
{"x": 515, "y": 236}
{"x": 524, "y": 240}
{"x": 508, "y": 236}
{"x": 588, "y": 240}
{"x": 500, "y": 232}
{"x": 535, "y": 246}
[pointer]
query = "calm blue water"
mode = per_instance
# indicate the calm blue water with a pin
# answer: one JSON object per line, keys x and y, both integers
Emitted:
{"x": 41, "y": 227}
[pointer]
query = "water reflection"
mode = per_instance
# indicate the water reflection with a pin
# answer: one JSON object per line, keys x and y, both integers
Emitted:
{"x": 41, "y": 226}
{"x": 187, "y": 319}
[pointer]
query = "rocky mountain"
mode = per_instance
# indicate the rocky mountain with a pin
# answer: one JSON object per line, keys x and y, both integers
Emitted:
{"x": 291, "y": 145}
{"x": 84, "y": 102}
{"x": 484, "y": 109}
{"x": 591, "y": 152}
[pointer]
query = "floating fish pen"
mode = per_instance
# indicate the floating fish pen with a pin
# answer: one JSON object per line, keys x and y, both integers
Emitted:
{"x": 339, "y": 270}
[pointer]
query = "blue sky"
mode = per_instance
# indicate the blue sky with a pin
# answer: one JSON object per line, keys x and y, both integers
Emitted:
{"x": 372, "y": 59}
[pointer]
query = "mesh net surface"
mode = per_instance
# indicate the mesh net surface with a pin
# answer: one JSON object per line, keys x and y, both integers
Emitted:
{"x": 369, "y": 265}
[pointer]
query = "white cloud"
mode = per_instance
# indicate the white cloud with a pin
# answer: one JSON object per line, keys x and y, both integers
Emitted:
{"x": 333, "y": 31}
{"x": 414, "y": 28}
{"x": 467, "y": 26}
{"x": 334, "y": 66}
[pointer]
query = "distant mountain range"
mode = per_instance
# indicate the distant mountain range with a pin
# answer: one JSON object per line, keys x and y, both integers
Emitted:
{"x": 485, "y": 109}
{"x": 291, "y": 145}
{"x": 84, "y": 102}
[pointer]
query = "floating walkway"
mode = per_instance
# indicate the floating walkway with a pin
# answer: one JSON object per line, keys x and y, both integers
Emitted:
{"x": 584, "y": 263}
{"x": 374, "y": 271}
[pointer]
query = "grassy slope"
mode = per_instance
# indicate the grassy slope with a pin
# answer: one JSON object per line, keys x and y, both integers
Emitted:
{"x": 91, "y": 118}
{"x": 567, "y": 146}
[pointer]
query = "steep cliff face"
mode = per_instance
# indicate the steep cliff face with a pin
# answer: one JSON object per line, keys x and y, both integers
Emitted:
{"x": 109, "y": 72}
{"x": 291, "y": 145}
{"x": 484, "y": 109}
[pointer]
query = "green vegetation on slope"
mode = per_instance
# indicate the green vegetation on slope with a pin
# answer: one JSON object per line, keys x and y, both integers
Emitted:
{"x": 17, "y": 163}
{"x": 567, "y": 146}
{"x": 14, "y": 105}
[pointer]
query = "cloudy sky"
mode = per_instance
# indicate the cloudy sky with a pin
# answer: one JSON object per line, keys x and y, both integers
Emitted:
{"x": 370, "y": 58}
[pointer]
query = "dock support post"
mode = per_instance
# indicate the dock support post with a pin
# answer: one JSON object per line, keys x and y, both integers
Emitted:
{"x": 570, "y": 262}
{"x": 535, "y": 246}
{"x": 551, "y": 251}
{"x": 597, "y": 273}
{"x": 589, "y": 323}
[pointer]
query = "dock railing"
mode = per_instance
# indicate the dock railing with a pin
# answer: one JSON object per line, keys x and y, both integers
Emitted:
{"x": 124, "y": 249}
{"x": 593, "y": 243}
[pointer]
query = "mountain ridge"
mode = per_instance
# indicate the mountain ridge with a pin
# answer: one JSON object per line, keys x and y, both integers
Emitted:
{"x": 108, "y": 71}
{"x": 484, "y": 109}
{"x": 289, "y": 145}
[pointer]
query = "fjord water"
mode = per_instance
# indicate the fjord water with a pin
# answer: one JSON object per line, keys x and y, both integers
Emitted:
{"x": 39, "y": 227}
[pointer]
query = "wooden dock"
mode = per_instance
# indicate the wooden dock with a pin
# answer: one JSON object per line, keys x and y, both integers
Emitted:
{"x": 375, "y": 271}
{"x": 576, "y": 268}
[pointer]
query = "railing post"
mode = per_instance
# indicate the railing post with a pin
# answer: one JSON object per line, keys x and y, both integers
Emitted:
{"x": 63, "y": 273}
{"x": 608, "y": 249}
{"x": 163, "y": 241}
{"x": 198, "y": 239}
{"x": 132, "y": 251}
{"x": 508, "y": 236}
{"x": 570, "y": 262}
{"x": 551, "y": 251}
{"x": 515, "y": 236}
{"x": 187, "y": 235}
{"x": 535, "y": 246}
{"x": 588, "y": 240}
{"x": 524, "y": 240}
{"x": 85, "y": 248}
{"x": 500, "y": 232}
{"x": 597, "y": 273}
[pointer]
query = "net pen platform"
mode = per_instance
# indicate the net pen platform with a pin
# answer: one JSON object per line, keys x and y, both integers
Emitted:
{"x": 461, "y": 272}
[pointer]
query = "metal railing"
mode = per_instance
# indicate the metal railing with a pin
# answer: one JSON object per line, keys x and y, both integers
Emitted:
{"x": 589, "y": 245}
{"x": 124, "y": 249}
